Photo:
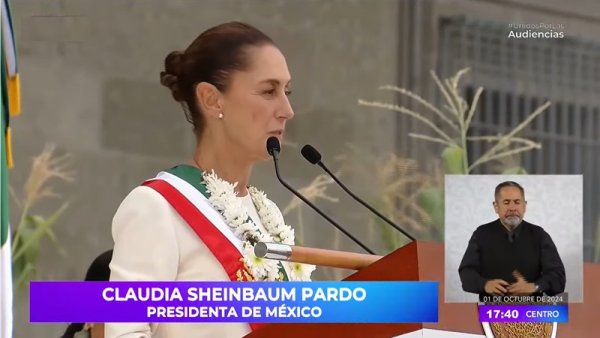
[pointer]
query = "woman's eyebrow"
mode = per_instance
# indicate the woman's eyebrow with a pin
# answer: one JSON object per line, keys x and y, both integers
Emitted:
{"x": 274, "y": 82}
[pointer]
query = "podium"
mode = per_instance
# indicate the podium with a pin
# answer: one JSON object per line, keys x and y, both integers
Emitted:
{"x": 412, "y": 262}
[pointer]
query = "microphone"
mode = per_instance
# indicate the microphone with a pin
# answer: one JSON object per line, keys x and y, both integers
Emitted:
{"x": 274, "y": 148}
{"x": 313, "y": 156}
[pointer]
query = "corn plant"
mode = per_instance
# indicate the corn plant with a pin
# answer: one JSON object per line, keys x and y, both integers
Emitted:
{"x": 455, "y": 118}
{"x": 32, "y": 228}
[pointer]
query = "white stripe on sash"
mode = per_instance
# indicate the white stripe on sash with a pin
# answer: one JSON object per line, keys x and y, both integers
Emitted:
{"x": 202, "y": 204}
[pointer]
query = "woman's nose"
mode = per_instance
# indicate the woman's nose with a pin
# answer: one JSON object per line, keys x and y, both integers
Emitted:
{"x": 286, "y": 111}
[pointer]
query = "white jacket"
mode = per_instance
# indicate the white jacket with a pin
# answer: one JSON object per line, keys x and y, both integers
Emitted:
{"x": 153, "y": 243}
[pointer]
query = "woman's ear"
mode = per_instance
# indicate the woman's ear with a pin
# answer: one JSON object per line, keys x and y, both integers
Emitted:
{"x": 209, "y": 99}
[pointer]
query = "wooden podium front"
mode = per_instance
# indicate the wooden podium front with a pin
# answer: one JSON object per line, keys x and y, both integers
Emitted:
{"x": 409, "y": 263}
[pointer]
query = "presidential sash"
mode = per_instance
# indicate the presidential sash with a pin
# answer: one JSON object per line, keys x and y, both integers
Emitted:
{"x": 206, "y": 222}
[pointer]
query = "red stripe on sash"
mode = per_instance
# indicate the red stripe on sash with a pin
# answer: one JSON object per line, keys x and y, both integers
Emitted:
{"x": 225, "y": 252}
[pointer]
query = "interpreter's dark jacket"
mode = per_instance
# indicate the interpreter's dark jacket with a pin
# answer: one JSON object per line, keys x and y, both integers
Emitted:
{"x": 494, "y": 253}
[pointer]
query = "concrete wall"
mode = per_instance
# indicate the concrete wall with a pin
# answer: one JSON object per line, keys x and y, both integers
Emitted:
{"x": 90, "y": 85}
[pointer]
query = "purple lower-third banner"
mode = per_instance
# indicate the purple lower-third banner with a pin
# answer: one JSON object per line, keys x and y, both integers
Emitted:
{"x": 262, "y": 302}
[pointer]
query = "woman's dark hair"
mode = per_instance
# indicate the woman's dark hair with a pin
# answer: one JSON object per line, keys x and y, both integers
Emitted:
{"x": 212, "y": 57}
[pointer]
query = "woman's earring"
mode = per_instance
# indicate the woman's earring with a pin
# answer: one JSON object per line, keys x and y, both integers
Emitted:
{"x": 220, "y": 115}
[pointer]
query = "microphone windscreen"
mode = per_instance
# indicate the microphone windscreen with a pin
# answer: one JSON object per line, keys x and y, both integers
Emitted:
{"x": 311, "y": 154}
{"x": 273, "y": 145}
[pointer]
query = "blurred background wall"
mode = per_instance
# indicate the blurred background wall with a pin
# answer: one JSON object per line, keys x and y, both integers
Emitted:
{"x": 90, "y": 85}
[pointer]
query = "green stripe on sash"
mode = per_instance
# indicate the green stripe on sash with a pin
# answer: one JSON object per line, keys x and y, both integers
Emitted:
{"x": 193, "y": 176}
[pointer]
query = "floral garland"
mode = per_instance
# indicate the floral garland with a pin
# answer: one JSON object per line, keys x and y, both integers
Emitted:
{"x": 225, "y": 200}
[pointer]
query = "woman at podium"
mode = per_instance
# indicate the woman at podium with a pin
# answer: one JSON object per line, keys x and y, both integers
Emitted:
{"x": 199, "y": 221}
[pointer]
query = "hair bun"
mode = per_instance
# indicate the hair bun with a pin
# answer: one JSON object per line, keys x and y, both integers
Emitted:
{"x": 170, "y": 77}
{"x": 168, "y": 80}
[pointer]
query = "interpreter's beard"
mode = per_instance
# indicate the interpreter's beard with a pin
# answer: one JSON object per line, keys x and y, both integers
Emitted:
{"x": 512, "y": 221}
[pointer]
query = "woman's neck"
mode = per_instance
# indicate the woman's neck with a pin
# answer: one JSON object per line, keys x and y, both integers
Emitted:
{"x": 227, "y": 164}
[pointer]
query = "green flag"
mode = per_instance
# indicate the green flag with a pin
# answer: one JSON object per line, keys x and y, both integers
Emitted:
{"x": 10, "y": 106}
{"x": 5, "y": 257}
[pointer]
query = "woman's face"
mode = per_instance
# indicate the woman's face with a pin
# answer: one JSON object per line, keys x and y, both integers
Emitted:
{"x": 256, "y": 105}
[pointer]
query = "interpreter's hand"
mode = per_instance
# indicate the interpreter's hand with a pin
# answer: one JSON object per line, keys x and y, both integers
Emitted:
{"x": 521, "y": 287}
{"x": 496, "y": 287}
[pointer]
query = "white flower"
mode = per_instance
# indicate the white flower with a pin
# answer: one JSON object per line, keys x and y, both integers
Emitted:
{"x": 287, "y": 237}
{"x": 244, "y": 228}
{"x": 268, "y": 238}
{"x": 260, "y": 268}
{"x": 225, "y": 200}
{"x": 301, "y": 272}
